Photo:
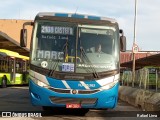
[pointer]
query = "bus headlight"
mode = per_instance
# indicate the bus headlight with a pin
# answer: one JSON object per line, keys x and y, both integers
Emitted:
{"x": 42, "y": 84}
{"x": 108, "y": 86}
{"x": 39, "y": 82}
{"x": 111, "y": 83}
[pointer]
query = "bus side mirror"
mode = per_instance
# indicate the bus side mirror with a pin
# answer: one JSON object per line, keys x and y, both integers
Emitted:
{"x": 23, "y": 34}
{"x": 23, "y": 38}
{"x": 122, "y": 42}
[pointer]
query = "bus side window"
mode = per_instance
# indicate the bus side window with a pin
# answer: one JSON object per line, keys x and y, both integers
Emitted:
{"x": 17, "y": 67}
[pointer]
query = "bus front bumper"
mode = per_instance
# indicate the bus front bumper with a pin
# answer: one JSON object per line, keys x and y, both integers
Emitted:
{"x": 44, "y": 97}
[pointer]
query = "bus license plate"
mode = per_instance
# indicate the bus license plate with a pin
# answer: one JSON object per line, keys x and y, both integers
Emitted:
{"x": 70, "y": 105}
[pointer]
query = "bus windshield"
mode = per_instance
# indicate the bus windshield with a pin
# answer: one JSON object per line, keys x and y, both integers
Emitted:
{"x": 68, "y": 47}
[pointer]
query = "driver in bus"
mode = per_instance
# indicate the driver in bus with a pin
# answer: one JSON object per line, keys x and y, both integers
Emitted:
{"x": 98, "y": 48}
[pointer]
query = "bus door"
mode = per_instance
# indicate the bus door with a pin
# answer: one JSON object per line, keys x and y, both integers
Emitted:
{"x": 4, "y": 70}
{"x": 21, "y": 71}
{"x": 12, "y": 65}
{"x": 25, "y": 72}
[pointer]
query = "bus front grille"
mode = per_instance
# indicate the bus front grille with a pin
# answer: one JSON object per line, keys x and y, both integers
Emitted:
{"x": 69, "y": 91}
{"x": 60, "y": 90}
{"x": 83, "y": 101}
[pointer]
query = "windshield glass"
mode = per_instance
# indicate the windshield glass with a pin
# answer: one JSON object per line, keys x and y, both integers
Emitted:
{"x": 97, "y": 48}
{"x": 67, "y": 47}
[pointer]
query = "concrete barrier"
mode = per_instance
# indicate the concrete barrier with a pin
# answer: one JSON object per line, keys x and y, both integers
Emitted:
{"x": 146, "y": 100}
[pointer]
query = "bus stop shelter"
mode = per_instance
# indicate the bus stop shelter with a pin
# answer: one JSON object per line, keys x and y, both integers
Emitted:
{"x": 9, "y": 43}
{"x": 153, "y": 60}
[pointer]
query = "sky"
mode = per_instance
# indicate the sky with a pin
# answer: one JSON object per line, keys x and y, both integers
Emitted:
{"x": 148, "y": 15}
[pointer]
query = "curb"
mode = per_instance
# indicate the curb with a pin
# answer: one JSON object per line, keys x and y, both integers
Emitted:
{"x": 144, "y": 99}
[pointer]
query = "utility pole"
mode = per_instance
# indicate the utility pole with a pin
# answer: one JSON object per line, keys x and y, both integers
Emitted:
{"x": 134, "y": 44}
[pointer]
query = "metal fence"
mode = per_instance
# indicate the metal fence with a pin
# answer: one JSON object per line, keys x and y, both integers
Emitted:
{"x": 146, "y": 78}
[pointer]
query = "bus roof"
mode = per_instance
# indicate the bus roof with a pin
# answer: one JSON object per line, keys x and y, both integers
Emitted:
{"x": 5, "y": 52}
{"x": 75, "y": 15}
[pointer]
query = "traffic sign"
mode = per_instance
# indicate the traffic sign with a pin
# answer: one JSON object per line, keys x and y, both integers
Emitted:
{"x": 135, "y": 48}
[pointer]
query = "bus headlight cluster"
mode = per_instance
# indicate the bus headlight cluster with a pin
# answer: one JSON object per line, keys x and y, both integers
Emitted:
{"x": 108, "y": 86}
{"x": 112, "y": 83}
{"x": 42, "y": 84}
{"x": 39, "y": 82}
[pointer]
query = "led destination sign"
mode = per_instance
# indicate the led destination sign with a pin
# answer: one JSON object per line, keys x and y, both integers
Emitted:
{"x": 57, "y": 30}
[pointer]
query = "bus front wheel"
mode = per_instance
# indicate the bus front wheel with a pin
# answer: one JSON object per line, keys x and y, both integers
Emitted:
{"x": 4, "y": 82}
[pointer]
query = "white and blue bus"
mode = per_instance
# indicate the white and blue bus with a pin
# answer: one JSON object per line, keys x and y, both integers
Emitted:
{"x": 74, "y": 60}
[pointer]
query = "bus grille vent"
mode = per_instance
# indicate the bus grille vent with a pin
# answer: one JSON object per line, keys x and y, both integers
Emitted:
{"x": 83, "y": 101}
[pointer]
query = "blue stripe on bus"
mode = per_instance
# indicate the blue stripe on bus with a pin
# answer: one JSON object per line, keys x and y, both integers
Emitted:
{"x": 61, "y": 14}
{"x": 75, "y": 85}
{"x": 92, "y": 84}
{"x": 77, "y": 16}
{"x": 94, "y": 18}
{"x": 56, "y": 83}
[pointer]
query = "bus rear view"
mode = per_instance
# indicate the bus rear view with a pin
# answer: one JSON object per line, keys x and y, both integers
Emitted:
{"x": 74, "y": 61}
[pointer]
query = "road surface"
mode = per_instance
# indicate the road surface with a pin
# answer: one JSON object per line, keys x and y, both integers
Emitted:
{"x": 16, "y": 100}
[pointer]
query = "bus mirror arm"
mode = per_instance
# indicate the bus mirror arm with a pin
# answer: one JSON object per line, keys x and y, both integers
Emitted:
{"x": 23, "y": 34}
{"x": 122, "y": 41}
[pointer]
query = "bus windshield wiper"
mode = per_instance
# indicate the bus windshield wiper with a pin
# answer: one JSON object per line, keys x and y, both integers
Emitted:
{"x": 95, "y": 74}
{"x": 65, "y": 49}
{"x": 52, "y": 70}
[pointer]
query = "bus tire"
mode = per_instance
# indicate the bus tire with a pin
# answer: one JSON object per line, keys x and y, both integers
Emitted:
{"x": 4, "y": 81}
